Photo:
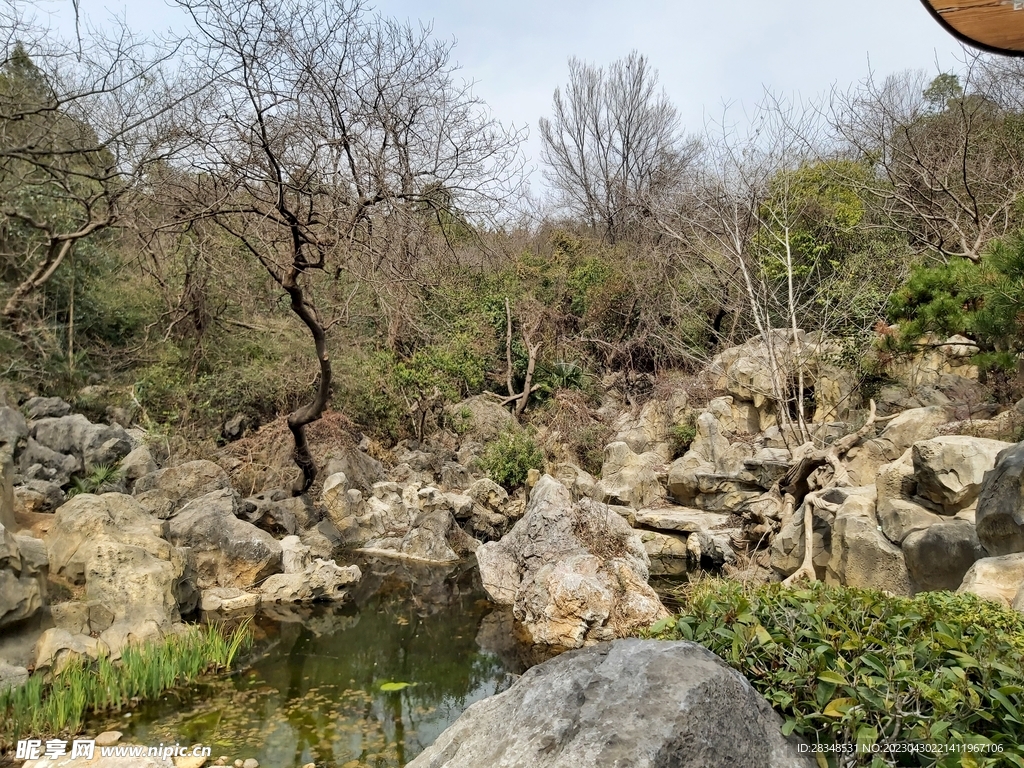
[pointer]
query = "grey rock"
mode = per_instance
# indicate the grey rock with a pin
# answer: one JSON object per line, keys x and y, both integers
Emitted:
{"x": 23, "y": 570}
{"x": 628, "y": 478}
{"x": 229, "y": 552}
{"x": 13, "y": 428}
{"x": 7, "y": 488}
{"x": 321, "y": 581}
{"x": 138, "y": 463}
{"x": 93, "y": 445}
{"x": 1000, "y": 513}
{"x": 361, "y": 469}
{"x": 939, "y": 556}
{"x": 636, "y": 703}
{"x": 572, "y": 573}
{"x": 479, "y": 419}
{"x": 164, "y": 492}
{"x": 38, "y": 496}
{"x": 861, "y": 555}
{"x": 12, "y": 676}
{"x": 46, "y": 407}
{"x": 39, "y": 462}
{"x": 996, "y": 578}
{"x": 680, "y": 519}
{"x": 950, "y": 470}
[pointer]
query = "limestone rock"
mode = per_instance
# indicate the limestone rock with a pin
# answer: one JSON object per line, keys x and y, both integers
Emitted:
{"x": 361, "y": 469}
{"x": 1000, "y": 513}
{"x": 666, "y": 551}
{"x": 55, "y": 648}
{"x": 295, "y": 556}
{"x": 480, "y": 418}
{"x": 23, "y": 569}
{"x": 11, "y": 676}
{"x": 37, "y": 496}
{"x": 938, "y": 557}
{"x": 861, "y": 555}
{"x": 950, "y": 470}
{"x": 628, "y": 478}
{"x": 680, "y": 519}
{"x": 7, "y": 488}
{"x": 136, "y": 464}
{"x": 93, "y": 445}
{"x": 164, "y": 492}
{"x": 227, "y": 599}
{"x": 229, "y": 552}
{"x": 323, "y": 580}
{"x": 898, "y": 510}
{"x": 13, "y": 428}
{"x": 46, "y": 407}
{"x": 641, "y": 703}
{"x": 573, "y": 573}
{"x": 901, "y": 433}
{"x": 996, "y": 578}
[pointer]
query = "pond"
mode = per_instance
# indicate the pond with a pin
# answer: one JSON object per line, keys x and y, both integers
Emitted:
{"x": 369, "y": 683}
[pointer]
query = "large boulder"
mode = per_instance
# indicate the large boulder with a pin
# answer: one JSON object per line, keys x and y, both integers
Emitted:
{"x": 899, "y": 434}
{"x": 1000, "y": 514}
{"x": 7, "y": 488}
{"x": 229, "y": 552}
{"x": 480, "y": 418}
{"x": 23, "y": 567}
{"x": 13, "y": 428}
{"x": 861, "y": 555}
{"x": 433, "y": 535}
{"x": 163, "y": 492}
{"x": 899, "y": 510}
{"x": 136, "y": 583}
{"x": 46, "y": 407}
{"x": 636, "y": 703}
{"x": 650, "y": 429}
{"x": 358, "y": 520}
{"x": 996, "y": 578}
{"x": 938, "y": 557}
{"x": 572, "y": 573}
{"x": 361, "y": 469}
{"x": 628, "y": 478}
{"x": 950, "y": 470}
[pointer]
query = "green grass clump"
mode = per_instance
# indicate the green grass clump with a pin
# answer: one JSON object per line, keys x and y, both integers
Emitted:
{"x": 47, "y": 707}
{"x": 858, "y": 667}
{"x": 510, "y": 457}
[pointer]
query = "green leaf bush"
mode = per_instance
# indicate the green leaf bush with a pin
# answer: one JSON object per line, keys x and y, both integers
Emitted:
{"x": 939, "y": 676}
{"x": 510, "y": 457}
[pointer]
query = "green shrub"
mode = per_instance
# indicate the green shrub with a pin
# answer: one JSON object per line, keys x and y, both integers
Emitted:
{"x": 857, "y": 667}
{"x": 681, "y": 435}
{"x": 103, "y": 475}
{"x": 509, "y": 459}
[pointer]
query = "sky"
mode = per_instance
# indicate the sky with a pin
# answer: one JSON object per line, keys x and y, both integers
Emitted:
{"x": 709, "y": 53}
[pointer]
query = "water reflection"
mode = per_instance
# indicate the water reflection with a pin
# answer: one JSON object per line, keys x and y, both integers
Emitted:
{"x": 313, "y": 693}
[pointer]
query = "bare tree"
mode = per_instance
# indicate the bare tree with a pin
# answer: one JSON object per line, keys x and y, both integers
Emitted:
{"x": 335, "y": 135}
{"x": 613, "y": 146}
{"x": 948, "y": 160}
{"x": 81, "y": 126}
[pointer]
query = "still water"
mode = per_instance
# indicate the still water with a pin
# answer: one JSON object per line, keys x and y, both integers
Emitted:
{"x": 312, "y": 689}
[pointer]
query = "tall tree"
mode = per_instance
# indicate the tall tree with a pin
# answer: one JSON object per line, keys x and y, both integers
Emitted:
{"x": 613, "y": 145}
{"x": 334, "y": 130}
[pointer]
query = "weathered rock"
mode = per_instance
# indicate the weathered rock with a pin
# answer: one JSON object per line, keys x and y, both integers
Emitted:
{"x": 227, "y": 599}
{"x": 295, "y": 556}
{"x": 164, "y": 492}
{"x": 138, "y": 463}
{"x": 636, "y": 703}
{"x": 94, "y": 445}
{"x": 683, "y": 485}
{"x": 38, "y": 462}
{"x": 680, "y": 519}
{"x": 861, "y": 555}
{"x": 433, "y": 535}
{"x": 37, "y": 496}
{"x": 361, "y": 470}
{"x": 996, "y": 578}
{"x": 323, "y": 580}
{"x": 480, "y": 418}
{"x": 55, "y": 648}
{"x": 492, "y": 515}
{"x": 939, "y": 556}
{"x": 23, "y": 568}
{"x": 7, "y": 488}
{"x": 1000, "y": 513}
{"x": 579, "y": 482}
{"x": 13, "y": 428}
{"x": 46, "y": 408}
{"x": 787, "y": 548}
{"x": 229, "y": 552}
{"x": 628, "y": 478}
{"x": 898, "y": 509}
{"x": 950, "y": 470}
{"x": 666, "y": 551}
{"x": 901, "y": 433}
{"x": 649, "y": 430}
{"x": 573, "y": 573}
{"x": 359, "y": 520}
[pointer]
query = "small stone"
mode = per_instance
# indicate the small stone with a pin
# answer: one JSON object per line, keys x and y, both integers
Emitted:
{"x": 189, "y": 762}
{"x": 108, "y": 738}
{"x": 238, "y": 764}
{"x": 252, "y": 762}
{"x": 309, "y": 765}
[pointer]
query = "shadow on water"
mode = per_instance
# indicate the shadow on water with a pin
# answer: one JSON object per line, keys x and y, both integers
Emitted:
{"x": 312, "y": 690}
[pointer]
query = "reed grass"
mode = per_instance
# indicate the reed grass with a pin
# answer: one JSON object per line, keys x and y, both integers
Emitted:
{"x": 48, "y": 706}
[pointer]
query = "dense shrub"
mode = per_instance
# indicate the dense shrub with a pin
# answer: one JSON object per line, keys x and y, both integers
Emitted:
{"x": 858, "y": 668}
{"x": 510, "y": 457}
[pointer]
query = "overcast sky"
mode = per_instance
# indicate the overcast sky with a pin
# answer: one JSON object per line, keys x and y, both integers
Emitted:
{"x": 709, "y": 52}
